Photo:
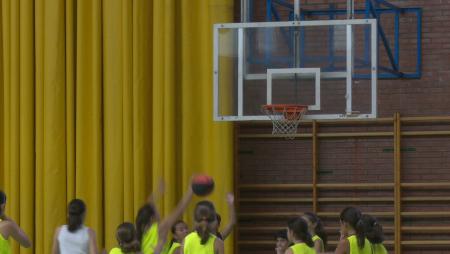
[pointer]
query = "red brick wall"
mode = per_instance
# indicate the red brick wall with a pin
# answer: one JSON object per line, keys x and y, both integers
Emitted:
{"x": 359, "y": 160}
{"x": 427, "y": 96}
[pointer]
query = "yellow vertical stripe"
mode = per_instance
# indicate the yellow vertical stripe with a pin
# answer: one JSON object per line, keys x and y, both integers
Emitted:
{"x": 70, "y": 14}
{"x": 113, "y": 116}
{"x": 27, "y": 93}
{"x": 127, "y": 118}
{"x": 54, "y": 119}
{"x": 142, "y": 101}
{"x": 39, "y": 241}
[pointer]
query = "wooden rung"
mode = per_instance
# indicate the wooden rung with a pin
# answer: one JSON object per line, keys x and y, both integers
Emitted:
{"x": 356, "y": 134}
{"x": 426, "y": 214}
{"x": 269, "y": 215}
{"x": 275, "y": 200}
{"x": 256, "y": 242}
{"x": 384, "y": 120}
{"x": 324, "y": 200}
{"x": 426, "y": 119}
{"x": 438, "y": 185}
{"x": 386, "y": 243}
{"x": 423, "y": 199}
{"x": 351, "y": 199}
{"x": 425, "y": 229}
{"x": 336, "y": 229}
{"x": 289, "y": 186}
{"x": 425, "y": 133}
{"x": 426, "y": 242}
{"x": 271, "y": 187}
{"x": 369, "y": 186}
{"x": 261, "y": 229}
{"x": 336, "y": 214}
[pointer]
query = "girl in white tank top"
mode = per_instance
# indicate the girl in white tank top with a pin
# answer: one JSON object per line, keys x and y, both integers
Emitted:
{"x": 75, "y": 238}
{"x": 73, "y": 242}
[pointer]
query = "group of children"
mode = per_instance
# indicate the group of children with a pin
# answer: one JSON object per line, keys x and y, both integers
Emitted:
{"x": 148, "y": 235}
{"x": 360, "y": 234}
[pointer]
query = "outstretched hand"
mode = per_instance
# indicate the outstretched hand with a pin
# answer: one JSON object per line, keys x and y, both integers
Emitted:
{"x": 230, "y": 199}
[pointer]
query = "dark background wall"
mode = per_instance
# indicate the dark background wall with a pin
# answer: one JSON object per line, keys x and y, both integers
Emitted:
{"x": 359, "y": 160}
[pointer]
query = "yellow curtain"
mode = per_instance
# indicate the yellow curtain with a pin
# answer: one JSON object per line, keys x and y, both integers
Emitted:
{"x": 99, "y": 100}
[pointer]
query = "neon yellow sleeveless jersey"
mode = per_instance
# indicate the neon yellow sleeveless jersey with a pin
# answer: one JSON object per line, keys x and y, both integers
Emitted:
{"x": 4, "y": 246}
{"x": 354, "y": 248}
{"x": 116, "y": 251}
{"x": 379, "y": 249}
{"x": 302, "y": 248}
{"x": 192, "y": 244}
{"x": 316, "y": 238}
{"x": 150, "y": 240}
{"x": 173, "y": 248}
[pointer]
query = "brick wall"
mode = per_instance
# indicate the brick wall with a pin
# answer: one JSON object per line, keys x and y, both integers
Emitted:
{"x": 359, "y": 160}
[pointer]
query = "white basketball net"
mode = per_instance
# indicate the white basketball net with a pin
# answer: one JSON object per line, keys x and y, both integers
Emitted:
{"x": 285, "y": 118}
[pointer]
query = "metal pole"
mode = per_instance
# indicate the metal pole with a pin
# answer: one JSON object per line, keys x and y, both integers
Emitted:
{"x": 297, "y": 35}
{"x": 350, "y": 9}
{"x": 297, "y": 43}
{"x": 297, "y": 10}
{"x": 244, "y": 11}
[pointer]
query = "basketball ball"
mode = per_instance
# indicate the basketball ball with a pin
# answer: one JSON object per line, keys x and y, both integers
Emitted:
{"x": 202, "y": 185}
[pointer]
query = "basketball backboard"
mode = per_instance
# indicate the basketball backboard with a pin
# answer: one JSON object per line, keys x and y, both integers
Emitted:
{"x": 314, "y": 63}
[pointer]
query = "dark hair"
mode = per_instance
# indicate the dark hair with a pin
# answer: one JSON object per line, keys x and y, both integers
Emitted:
{"x": 219, "y": 219}
{"x": 126, "y": 236}
{"x": 2, "y": 197}
{"x": 300, "y": 229}
{"x": 144, "y": 218}
{"x": 353, "y": 216}
{"x": 2, "y": 200}
{"x": 204, "y": 214}
{"x": 281, "y": 234}
{"x": 372, "y": 229}
{"x": 319, "y": 229}
{"x": 77, "y": 208}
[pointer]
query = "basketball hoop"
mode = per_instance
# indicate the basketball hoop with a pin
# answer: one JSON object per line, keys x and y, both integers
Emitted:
{"x": 285, "y": 117}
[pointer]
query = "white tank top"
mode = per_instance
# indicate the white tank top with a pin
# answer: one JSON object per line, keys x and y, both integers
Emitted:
{"x": 73, "y": 242}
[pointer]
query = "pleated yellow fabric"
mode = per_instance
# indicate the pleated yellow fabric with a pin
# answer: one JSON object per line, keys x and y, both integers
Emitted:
{"x": 99, "y": 99}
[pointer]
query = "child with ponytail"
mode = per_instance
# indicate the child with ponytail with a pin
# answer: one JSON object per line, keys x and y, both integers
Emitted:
{"x": 151, "y": 230}
{"x": 353, "y": 238}
{"x": 374, "y": 233}
{"x": 127, "y": 239}
{"x": 298, "y": 234}
{"x": 75, "y": 237}
{"x": 317, "y": 231}
{"x": 202, "y": 240}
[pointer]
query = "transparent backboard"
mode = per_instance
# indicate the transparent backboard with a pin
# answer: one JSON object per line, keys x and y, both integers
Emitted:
{"x": 314, "y": 63}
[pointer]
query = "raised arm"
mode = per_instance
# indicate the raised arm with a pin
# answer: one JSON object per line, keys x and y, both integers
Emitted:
{"x": 232, "y": 219}
{"x": 167, "y": 222}
{"x": 153, "y": 198}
